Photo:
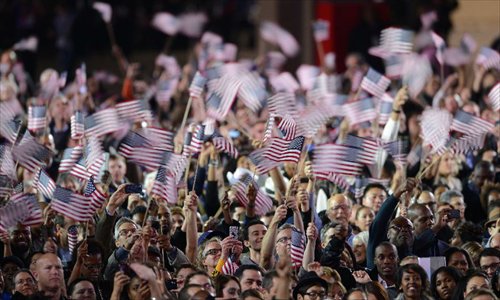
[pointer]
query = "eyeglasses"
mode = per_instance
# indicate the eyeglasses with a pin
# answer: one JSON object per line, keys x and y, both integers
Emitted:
{"x": 212, "y": 252}
{"x": 125, "y": 232}
{"x": 284, "y": 240}
{"x": 315, "y": 295}
{"x": 23, "y": 281}
{"x": 493, "y": 266}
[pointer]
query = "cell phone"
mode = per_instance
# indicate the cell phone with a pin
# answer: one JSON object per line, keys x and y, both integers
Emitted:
{"x": 171, "y": 284}
{"x": 133, "y": 189}
{"x": 454, "y": 214}
{"x": 234, "y": 231}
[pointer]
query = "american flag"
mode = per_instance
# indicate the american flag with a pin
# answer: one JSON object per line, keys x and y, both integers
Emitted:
{"x": 360, "y": 111}
{"x": 102, "y": 122}
{"x": 77, "y": 125}
{"x": 338, "y": 159}
{"x": 251, "y": 91}
{"x": 298, "y": 247}
{"x": 367, "y": 147}
{"x": 262, "y": 164}
{"x": 72, "y": 205}
{"x": 321, "y": 30}
{"x": 384, "y": 108}
{"x": 165, "y": 185}
{"x": 30, "y": 154}
{"x": 7, "y": 166}
{"x": 223, "y": 145}
{"x": 393, "y": 66}
{"x": 396, "y": 40}
{"x": 93, "y": 151}
{"x": 488, "y": 58}
{"x": 282, "y": 104}
{"x": 375, "y": 83}
{"x": 361, "y": 183}
{"x": 166, "y": 23}
{"x": 72, "y": 237}
{"x": 262, "y": 202}
{"x": 158, "y": 138}
{"x": 335, "y": 104}
{"x": 132, "y": 141}
{"x": 19, "y": 188}
{"x": 79, "y": 169}
{"x": 416, "y": 72}
{"x": 9, "y": 109}
{"x": 494, "y": 97}
{"x": 165, "y": 89}
{"x": 268, "y": 133}
{"x": 30, "y": 204}
{"x": 197, "y": 139}
{"x": 468, "y": 143}
{"x": 191, "y": 24}
{"x": 97, "y": 197}
{"x": 70, "y": 158}
{"x": 284, "y": 82}
{"x": 275, "y": 35}
{"x": 44, "y": 184}
{"x": 312, "y": 118}
{"x": 229, "y": 267}
{"x": 147, "y": 157}
{"x": 435, "y": 125}
{"x": 9, "y": 129}
{"x": 222, "y": 97}
{"x": 440, "y": 46}
{"x": 37, "y": 117}
{"x": 469, "y": 124}
{"x": 288, "y": 127}
{"x": 134, "y": 111}
{"x": 398, "y": 150}
{"x": 197, "y": 85}
{"x": 337, "y": 179}
{"x": 12, "y": 213}
{"x": 281, "y": 150}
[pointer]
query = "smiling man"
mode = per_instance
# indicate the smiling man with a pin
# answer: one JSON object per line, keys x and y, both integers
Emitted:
{"x": 253, "y": 234}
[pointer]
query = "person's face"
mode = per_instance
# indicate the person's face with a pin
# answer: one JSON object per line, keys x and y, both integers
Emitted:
{"x": 374, "y": 198}
{"x": 21, "y": 238}
{"x": 50, "y": 246}
{"x": 9, "y": 269}
{"x": 177, "y": 220}
{"x": 165, "y": 216}
{"x": 357, "y": 295}
{"x": 489, "y": 264}
{"x": 458, "y": 203}
{"x": 92, "y": 267}
{"x": 446, "y": 165}
{"x": 251, "y": 279}
{"x": 359, "y": 250}
{"x": 84, "y": 290}
{"x": 424, "y": 220}
{"x": 133, "y": 288}
{"x": 480, "y": 175}
{"x": 364, "y": 219}
{"x": 336, "y": 292}
{"x": 181, "y": 277}
{"x": 445, "y": 284}
{"x": 413, "y": 126}
{"x": 459, "y": 261}
{"x": 284, "y": 242}
{"x": 231, "y": 290}
{"x": 24, "y": 284}
{"x": 125, "y": 231}
{"x": 339, "y": 209}
{"x": 33, "y": 261}
{"x": 475, "y": 283}
{"x": 386, "y": 260}
{"x": 411, "y": 284}
{"x": 117, "y": 168}
{"x": 313, "y": 293}
{"x": 255, "y": 235}
{"x": 49, "y": 272}
{"x": 211, "y": 254}
{"x": 204, "y": 282}
{"x": 401, "y": 232}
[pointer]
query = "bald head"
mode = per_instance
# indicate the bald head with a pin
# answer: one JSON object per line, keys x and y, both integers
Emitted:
{"x": 427, "y": 198}
{"x": 49, "y": 272}
{"x": 339, "y": 208}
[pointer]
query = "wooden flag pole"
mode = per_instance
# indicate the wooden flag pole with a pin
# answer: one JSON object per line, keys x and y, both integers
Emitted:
{"x": 186, "y": 113}
{"x": 321, "y": 53}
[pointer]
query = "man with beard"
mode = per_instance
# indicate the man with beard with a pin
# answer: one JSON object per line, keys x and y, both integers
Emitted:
{"x": 386, "y": 266}
{"x": 50, "y": 277}
{"x": 20, "y": 241}
{"x": 399, "y": 231}
{"x": 253, "y": 233}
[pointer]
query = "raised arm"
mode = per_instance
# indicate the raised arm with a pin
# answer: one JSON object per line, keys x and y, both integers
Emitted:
{"x": 191, "y": 204}
{"x": 312, "y": 235}
{"x": 268, "y": 242}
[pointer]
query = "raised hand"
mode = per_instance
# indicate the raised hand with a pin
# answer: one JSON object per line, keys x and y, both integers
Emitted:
{"x": 279, "y": 214}
{"x": 311, "y": 232}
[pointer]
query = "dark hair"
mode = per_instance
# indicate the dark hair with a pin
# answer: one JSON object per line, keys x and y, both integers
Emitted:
{"x": 462, "y": 285}
{"x": 183, "y": 293}
{"x": 94, "y": 247}
{"x": 267, "y": 282}
{"x": 23, "y": 271}
{"x": 71, "y": 287}
{"x": 186, "y": 266}
{"x": 372, "y": 186}
{"x": 376, "y": 288}
{"x": 243, "y": 268}
{"x": 490, "y": 252}
{"x": 251, "y": 293}
{"x": 139, "y": 209}
{"x": 198, "y": 272}
{"x": 415, "y": 268}
{"x": 247, "y": 227}
{"x": 351, "y": 291}
{"x": 452, "y": 250}
{"x": 221, "y": 281}
{"x": 469, "y": 232}
{"x": 451, "y": 271}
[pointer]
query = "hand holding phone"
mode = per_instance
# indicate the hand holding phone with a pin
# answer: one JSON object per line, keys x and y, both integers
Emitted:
{"x": 133, "y": 189}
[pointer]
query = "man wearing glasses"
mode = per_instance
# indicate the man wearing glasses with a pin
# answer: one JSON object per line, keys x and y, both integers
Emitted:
{"x": 310, "y": 287}
{"x": 489, "y": 261}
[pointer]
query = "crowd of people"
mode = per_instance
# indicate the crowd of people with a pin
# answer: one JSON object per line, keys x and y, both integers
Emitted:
{"x": 230, "y": 227}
